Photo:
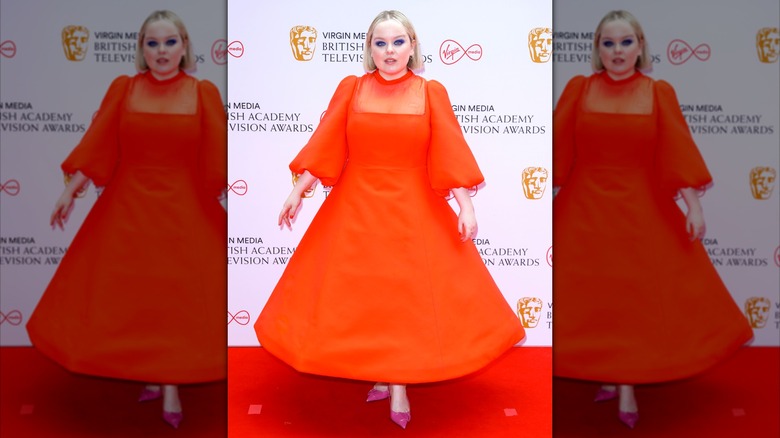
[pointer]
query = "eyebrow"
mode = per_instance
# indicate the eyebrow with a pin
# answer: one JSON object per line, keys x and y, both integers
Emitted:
{"x": 169, "y": 36}
{"x": 392, "y": 38}
{"x": 619, "y": 38}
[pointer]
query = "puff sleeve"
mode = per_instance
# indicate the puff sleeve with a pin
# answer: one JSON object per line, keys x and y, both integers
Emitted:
{"x": 212, "y": 153}
{"x": 678, "y": 162}
{"x": 97, "y": 154}
{"x": 325, "y": 155}
{"x": 564, "y": 121}
{"x": 451, "y": 163}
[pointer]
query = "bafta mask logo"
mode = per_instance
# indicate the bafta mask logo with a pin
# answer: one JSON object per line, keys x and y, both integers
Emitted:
{"x": 529, "y": 310}
{"x": 303, "y": 40}
{"x": 309, "y": 192}
{"x": 534, "y": 182}
{"x": 75, "y": 41}
{"x": 762, "y": 182}
{"x": 768, "y": 44}
{"x": 540, "y": 44}
{"x": 757, "y": 311}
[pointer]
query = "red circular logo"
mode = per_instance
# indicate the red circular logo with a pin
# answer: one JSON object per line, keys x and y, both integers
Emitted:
{"x": 241, "y": 317}
{"x": 777, "y": 256}
{"x": 549, "y": 256}
{"x": 11, "y": 187}
{"x": 236, "y": 49}
{"x": 13, "y": 317}
{"x": 219, "y": 52}
{"x": 8, "y": 49}
{"x": 451, "y": 52}
{"x": 239, "y": 187}
{"x": 679, "y": 51}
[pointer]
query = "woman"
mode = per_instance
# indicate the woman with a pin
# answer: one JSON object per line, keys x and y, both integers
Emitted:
{"x": 139, "y": 293}
{"x": 630, "y": 271}
{"x": 386, "y": 284}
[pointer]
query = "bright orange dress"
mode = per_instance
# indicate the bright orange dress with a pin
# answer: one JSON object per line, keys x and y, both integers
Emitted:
{"x": 140, "y": 293}
{"x": 380, "y": 287}
{"x": 635, "y": 300}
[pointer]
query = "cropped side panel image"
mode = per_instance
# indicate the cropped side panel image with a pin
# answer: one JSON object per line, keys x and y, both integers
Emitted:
{"x": 113, "y": 239}
{"x": 666, "y": 126}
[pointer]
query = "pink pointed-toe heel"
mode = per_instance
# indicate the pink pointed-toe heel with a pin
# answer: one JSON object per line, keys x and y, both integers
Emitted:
{"x": 628, "y": 418}
{"x": 173, "y": 418}
{"x": 148, "y": 395}
{"x": 400, "y": 418}
{"x": 605, "y": 395}
{"x": 377, "y": 394}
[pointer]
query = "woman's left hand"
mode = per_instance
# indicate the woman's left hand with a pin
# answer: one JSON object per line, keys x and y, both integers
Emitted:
{"x": 694, "y": 224}
{"x": 467, "y": 224}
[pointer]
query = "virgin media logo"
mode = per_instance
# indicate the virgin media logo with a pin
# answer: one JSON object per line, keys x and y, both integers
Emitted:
{"x": 219, "y": 52}
{"x": 239, "y": 187}
{"x": 241, "y": 317}
{"x": 13, "y": 317}
{"x": 679, "y": 51}
{"x": 10, "y": 187}
{"x": 8, "y": 49}
{"x": 236, "y": 49}
{"x": 451, "y": 52}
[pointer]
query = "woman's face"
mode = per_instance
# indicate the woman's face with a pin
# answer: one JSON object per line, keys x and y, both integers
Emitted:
{"x": 619, "y": 48}
{"x": 163, "y": 49}
{"x": 391, "y": 48}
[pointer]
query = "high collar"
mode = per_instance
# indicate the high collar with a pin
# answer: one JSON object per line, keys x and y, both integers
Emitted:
{"x": 150, "y": 77}
{"x": 608, "y": 79}
{"x": 384, "y": 81}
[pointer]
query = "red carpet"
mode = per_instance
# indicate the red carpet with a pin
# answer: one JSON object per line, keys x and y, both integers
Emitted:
{"x": 40, "y": 399}
{"x": 510, "y": 398}
{"x": 738, "y": 398}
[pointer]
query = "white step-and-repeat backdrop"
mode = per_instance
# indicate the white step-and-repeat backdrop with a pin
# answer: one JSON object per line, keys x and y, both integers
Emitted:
{"x": 494, "y": 58}
{"x": 722, "y": 59}
{"x": 57, "y": 60}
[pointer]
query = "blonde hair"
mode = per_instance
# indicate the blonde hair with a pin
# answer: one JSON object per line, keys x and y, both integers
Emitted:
{"x": 643, "y": 61}
{"x": 187, "y": 61}
{"x": 415, "y": 61}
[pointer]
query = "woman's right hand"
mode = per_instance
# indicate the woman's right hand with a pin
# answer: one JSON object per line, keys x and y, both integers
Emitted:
{"x": 289, "y": 209}
{"x": 64, "y": 205}
{"x": 62, "y": 209}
